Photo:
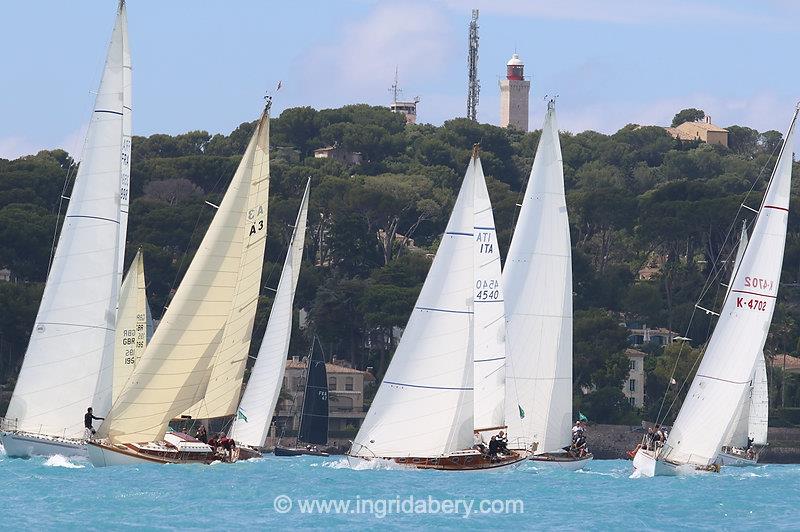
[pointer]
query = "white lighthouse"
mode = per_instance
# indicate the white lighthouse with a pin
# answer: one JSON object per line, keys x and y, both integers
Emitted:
{"x": 514, "y": 94}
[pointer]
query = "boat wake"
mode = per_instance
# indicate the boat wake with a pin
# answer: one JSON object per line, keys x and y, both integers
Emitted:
{"x": 61, "y": 461}
{"x": 360, "y": 464}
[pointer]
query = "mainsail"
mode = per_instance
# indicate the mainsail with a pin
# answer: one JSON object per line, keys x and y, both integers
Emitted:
{"x": 68, "y": 363}
{"x": 537, "y": 280}
{"x": 173, "y": 373}
{"x": 132, "y": 335}
{"x": 314, "y": 417}
{"x": 738, "y": 339}
{"x": 424, "y": 406}
{"x": 260, "y": 397}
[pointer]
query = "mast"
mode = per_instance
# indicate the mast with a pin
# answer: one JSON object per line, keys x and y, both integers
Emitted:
{"x": 68, "y": 362}
{"x": 257, "y": 406}
{"x": 537, "y": 280}
{"x": 741, "y": 331}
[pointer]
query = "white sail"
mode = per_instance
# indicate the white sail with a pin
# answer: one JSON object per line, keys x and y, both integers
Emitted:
{"x": 739, "y": 336}
{"x": 131, "y": 336}
{"x": 489, "y": 326}
{"x": 739, "y": 254}
{"x": 260, "y": 397}
{"x": 537, "y": 280}
{"x": 67, "y": 366}
{"x": 173, "y": 372}
{"x": 759, "y": 404}
{"x": 125, "y": 156}
{"x": 226, "y": 372}
{"x": 423, "y": 407}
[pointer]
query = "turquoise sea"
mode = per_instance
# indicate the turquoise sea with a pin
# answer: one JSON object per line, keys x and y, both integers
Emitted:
{"x": 63, "y": 494}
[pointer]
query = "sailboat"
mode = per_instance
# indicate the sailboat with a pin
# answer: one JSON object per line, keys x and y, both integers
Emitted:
{"x": 748, "y": 433}
{"x": 537, "y": 278}
{"x": 314, "y": 414}
{"x": 444, "y": 385}
{"x": 209, "y": 318}
{"x": 254, "y": 415}
{"x": 723, "y": 377}
{"x": 68, "y": 363}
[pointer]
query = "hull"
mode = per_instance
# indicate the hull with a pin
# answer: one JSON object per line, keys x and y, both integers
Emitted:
{"x": 561, "y": 461}
{"x": 299, "y": 451}
{"x": 246, "y": 453}
{"x": 105, "y": 455}
{"x": 736, "y": 460}
{"x": 461, "y": 461}
{"x": 25, "y": 445}
{"x": 646, "y": 464}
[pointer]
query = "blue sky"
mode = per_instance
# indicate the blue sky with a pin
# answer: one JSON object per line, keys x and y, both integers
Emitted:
{"x": 203, "y": 64}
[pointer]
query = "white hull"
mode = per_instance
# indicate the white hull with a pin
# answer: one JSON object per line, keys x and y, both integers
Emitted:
{"x": 567, "y": 465}
{"x": 646, "y": 465}
{"x": 102, "y": 457}
{"x": 733, "y": 460}
{"x": 26, "y": 445}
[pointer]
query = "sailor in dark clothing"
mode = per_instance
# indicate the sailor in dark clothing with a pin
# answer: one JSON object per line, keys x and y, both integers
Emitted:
{"x": 87, "y": 420}
{"x": 201, "y": 434}
{"x": 494, "y": 446}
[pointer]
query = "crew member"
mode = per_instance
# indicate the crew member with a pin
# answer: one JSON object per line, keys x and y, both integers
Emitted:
{"x": 87, "y": 420}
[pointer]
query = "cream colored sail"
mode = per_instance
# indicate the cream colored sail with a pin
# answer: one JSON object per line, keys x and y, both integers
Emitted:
{"x": 131, "y": 337}
{"x": 172, "y": 374}
{"x": 227, "y": 370}
{"x": 260, "y": 397}
{"x": 423, "y": 407}
{"x": 738, "y": 340}
{"x": 537, "y": 280}
{"x": 68, "y": 363}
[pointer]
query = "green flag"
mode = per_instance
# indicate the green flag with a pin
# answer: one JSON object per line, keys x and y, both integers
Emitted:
{"x": 581, "y": 417}
{"x": 521, "y": 412}
{"x": 240, "y": 415}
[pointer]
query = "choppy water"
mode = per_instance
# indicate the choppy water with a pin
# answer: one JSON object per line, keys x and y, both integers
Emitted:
{"x": 58, "y": 493}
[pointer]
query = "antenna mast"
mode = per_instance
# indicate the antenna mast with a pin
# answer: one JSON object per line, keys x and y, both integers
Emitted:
{"x": 474, "y": 86}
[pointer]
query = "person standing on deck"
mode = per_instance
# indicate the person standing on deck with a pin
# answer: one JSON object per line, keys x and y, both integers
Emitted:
{"x": 87, "y": 420}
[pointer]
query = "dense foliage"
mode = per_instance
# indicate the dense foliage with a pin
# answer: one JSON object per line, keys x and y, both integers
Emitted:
{"x": 639, "y": 201}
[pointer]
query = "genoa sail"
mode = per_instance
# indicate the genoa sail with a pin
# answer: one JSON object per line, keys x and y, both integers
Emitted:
{"x": 537, "y": 279}
{"x": 132, "y": 324}
{"x": 758, "y": 420}
{"x": 172, "y": 375}
{"x": 314, "y": 417}
{"x": 260, "y": 397}
{"x": 68, "y": 362}
{"x": 424, "y": 406}
{"x": 725, "y": 372}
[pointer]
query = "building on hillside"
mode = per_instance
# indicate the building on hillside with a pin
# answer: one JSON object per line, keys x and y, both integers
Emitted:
{"x": 703, "y": 131}
{"x": 514, "y": 94}
{"x": 345, "y": 397}
{"x": 633, "y": 389}
{"x": 408, "y": 108}
{"x": 5, "y": 275}
{"x": 640, "y": 335}
{"x": 786, "y": 362}
{"x": 338, "y": 154}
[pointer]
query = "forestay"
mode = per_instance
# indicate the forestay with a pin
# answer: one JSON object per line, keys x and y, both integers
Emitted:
{"x": 173, "y": 373}
{"x": 260, "y": 397}
{"x": 131, "y": 335}
{"x": 739, "y": 336}
{"x": 537, "y": 280}
{"x": 489, "y": 352}
{"x": 68, "y": 363}
{"x": 423, "y": 407}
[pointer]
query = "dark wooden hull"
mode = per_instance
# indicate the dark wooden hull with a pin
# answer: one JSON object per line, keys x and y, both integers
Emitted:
{"x": 101, "y": 454}
{"x": 462, "y": 462}
{"x": 297, "y": 451}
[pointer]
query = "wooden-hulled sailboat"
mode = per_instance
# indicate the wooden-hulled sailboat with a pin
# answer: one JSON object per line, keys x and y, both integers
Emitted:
{"x": 253, "y": 417}
{"x": 314, "y": 414}
{"x": 748, "y": 433}
{"x": 725, "y": 372}
{"x": 436, "y": 392}
{"x": 206, "y": 316}
{"x": 68, "y": 363}
{"x": 537, "y": 279}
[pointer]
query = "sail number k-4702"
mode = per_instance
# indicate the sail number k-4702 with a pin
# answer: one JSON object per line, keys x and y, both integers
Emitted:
{"x": 758, "y": 282}
{"x": 753, "y": 304}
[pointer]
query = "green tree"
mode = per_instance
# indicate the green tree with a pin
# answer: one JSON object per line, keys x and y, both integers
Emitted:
{"x": 688, "y": 115}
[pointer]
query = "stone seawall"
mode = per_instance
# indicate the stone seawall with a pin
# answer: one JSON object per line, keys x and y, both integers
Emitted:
{"x": 609, "y": 442}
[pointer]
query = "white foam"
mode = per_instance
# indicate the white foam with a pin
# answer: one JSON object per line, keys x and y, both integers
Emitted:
{"x": 61, "y": 461}
{"x": 361, "y": 464}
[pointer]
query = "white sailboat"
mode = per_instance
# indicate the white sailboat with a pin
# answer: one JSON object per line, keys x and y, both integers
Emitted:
{"x": 442, "y": 388}
{"x": 726, "y": 370}
{"x": 254, "y": 415}
{"x": 207, "y": 319}
{"x": 538, "y": 282}
{"x": 68, "y": 362}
